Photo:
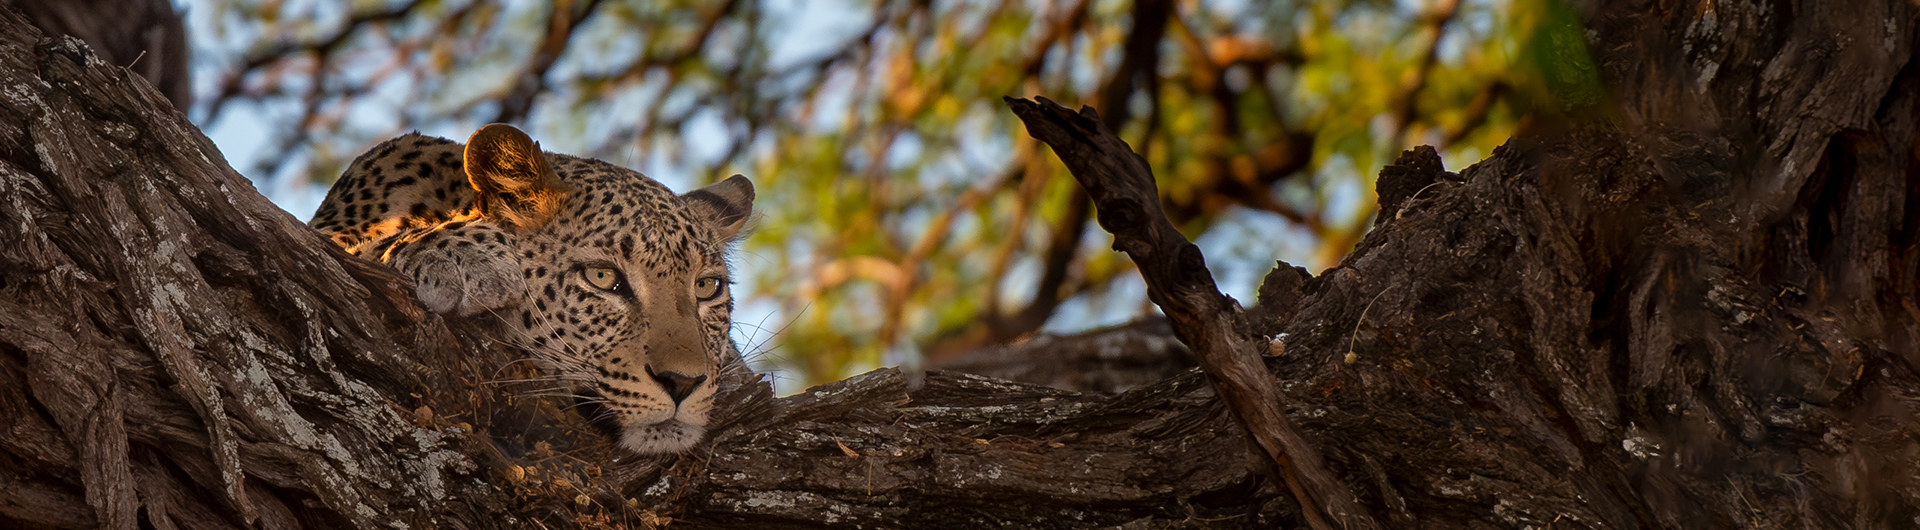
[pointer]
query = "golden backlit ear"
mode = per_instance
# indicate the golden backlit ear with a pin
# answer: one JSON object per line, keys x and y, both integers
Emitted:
{"x": 512, "y": 181}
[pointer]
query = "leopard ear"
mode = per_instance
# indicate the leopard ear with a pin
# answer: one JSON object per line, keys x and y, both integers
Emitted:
{"x": 724, "y": 205}
{"x": 512, "y": 181}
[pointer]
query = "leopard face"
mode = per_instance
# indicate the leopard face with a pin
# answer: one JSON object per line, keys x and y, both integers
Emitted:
{"x": 618, "y": 285}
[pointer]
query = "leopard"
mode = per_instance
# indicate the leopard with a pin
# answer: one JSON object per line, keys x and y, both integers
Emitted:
{"x": 618, "y": 286}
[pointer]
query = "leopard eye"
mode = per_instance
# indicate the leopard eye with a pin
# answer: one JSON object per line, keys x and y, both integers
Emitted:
{"x": 603, "y": 278}
{"x": 708, "y": 288}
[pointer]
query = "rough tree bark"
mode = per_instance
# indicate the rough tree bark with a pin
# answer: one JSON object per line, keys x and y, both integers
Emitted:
{"x": 1701, "y": 313}
{"x": 145, "y": 36}
{"x": 1109, "y": 360}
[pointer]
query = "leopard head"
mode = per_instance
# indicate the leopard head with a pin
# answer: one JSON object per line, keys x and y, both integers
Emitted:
{"x": 626, "y": 285}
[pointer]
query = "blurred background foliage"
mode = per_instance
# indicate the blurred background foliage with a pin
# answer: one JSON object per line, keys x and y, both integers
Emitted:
{"x": 905, "y": 217}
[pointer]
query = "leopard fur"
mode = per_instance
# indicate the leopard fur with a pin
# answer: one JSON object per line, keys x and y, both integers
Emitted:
{"x": 617, "y": 284}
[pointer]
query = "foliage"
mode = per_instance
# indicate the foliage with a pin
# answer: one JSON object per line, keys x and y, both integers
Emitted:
{"x": 905, "y": 214}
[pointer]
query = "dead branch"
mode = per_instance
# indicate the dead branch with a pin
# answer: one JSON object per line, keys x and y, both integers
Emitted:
{"x": 1128, "y": 204}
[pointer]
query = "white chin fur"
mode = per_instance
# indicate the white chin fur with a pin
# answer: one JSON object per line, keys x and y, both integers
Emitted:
{"x": 671, "y": 436}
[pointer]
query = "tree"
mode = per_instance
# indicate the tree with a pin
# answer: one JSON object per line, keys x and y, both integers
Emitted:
{"x": 1695, "y": 310}
{"x": 145, "y": 36}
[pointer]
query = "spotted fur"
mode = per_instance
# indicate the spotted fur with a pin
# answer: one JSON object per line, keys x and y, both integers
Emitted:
{"x": 619, "y": 285}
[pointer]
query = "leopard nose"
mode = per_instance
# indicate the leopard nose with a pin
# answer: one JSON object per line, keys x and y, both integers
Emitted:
{"x": 677, "y": 385}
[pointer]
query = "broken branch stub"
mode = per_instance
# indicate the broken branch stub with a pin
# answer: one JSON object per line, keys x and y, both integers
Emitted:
{"x": 1128, "y": 205}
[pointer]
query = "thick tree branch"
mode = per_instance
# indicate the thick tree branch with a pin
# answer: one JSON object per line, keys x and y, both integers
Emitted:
{"x": 165, "y": 331}
{"x": 145, "y": 36}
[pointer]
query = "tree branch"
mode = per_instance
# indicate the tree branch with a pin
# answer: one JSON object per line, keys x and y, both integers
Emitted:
{"x": 232, "y": 87}
{"x": 562, "y": 23}
{"x": 1128, "y": 205}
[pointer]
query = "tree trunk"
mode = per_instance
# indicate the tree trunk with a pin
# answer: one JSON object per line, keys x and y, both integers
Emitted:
{"x": 146, "y": 36}
{"x": 1700, "y": 314}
